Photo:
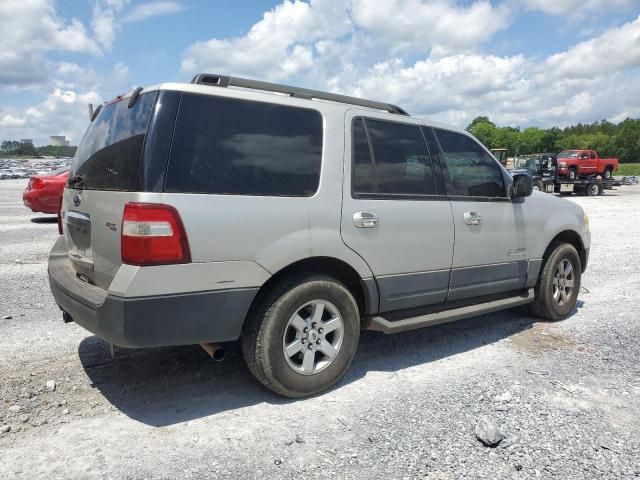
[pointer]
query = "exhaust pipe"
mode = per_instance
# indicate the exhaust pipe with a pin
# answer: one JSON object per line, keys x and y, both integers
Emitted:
{"x": 214, "y": 350}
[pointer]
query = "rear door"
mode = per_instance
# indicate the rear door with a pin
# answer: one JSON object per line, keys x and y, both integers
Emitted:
{"x": 104, "y": 176}
{"x": 394, "y": 213}
{"x": 490, "y": 231}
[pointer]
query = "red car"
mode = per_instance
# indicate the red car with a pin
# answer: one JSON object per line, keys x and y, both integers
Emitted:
{"x": 577, "y": 163}
{"x": 44, "y": 191}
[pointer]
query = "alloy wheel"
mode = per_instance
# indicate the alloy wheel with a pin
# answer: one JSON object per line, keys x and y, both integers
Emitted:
{"x": 563, "y": 282}
{"x": 313, "y": 337}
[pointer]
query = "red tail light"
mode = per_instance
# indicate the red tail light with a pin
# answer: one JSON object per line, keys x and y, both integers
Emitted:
{"x": 153, "y": 234}
{"x": 36, "y": 183}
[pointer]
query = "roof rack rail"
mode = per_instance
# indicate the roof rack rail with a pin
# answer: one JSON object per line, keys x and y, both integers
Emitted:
{"x": 226, "y": 81}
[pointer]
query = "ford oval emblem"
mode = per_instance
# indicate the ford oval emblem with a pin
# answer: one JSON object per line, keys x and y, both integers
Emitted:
{"x": 76, "y": 200}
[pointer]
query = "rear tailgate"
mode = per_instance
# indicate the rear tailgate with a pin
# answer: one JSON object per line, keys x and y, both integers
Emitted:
{"x": 92, "y": 221}
{"x": 105, "y": 175}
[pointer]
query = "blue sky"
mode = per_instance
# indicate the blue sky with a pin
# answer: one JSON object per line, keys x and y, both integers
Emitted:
{"x": 521, "y": 62}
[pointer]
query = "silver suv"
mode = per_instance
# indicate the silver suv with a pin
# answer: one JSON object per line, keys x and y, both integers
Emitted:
{"x": 292, "y": 219}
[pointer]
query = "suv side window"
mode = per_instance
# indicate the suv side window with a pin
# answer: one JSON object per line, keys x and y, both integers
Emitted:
{"x": 472, "y": 171}
{"x": 398, "y": 158}
{"x": 239, "y": 147}
{"x": 592, "y": 154}
{"x": 364, "y": 175}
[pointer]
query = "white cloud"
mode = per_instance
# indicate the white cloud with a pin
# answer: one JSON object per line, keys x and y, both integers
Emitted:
{"x": 152, "y": 9}
{"x": 63, "y": 112}
{"x": 278, "y": 46}
{"x": 103, "y": 20}
{"x": 11, "y": 121}
{"x": 418, "y": 26}
{"x": 575, "y": 8}
{"x": 615, "y": 49}
{"x": 29, "y": 29}
{"x": 294, "y": 36}
{"x": 370, "y": 49}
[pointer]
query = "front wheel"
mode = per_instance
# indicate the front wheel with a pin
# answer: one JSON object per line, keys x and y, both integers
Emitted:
{"x": 573, "y": 174}
{"x": 302, "y": 336}
{"x": 556, "y": 291}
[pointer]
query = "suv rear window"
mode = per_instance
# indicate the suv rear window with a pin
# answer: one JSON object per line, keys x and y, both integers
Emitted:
{"x": 239, "y": 147}
{"x": 109, "y": 155}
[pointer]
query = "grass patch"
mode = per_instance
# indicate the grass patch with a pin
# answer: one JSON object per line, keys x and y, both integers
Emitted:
{"x": 626, "y": 169}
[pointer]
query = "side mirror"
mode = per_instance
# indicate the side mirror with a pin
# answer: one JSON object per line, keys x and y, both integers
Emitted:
{"x": 522, "y": 185}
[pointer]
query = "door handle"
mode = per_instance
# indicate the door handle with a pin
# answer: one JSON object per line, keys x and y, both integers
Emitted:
{"x": 365, "y": 219}
{"x": 472, "y": 218}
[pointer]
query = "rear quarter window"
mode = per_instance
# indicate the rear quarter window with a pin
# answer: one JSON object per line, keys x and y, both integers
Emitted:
{"x": 239, "y": 147}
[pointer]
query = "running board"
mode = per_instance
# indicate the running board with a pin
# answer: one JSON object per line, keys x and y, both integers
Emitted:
{"x": 381, "y": 324}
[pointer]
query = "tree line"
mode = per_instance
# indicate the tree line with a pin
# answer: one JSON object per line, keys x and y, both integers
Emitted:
{"x": 620, "y": 140}
{"x": 15, "y": 148}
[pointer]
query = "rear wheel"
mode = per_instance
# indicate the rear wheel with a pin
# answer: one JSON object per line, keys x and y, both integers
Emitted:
{"x": 302, "y": 336}
{"x": 608, "y": 173}
{"x": 557, "y": 288}
{"x": 594, "y": 189}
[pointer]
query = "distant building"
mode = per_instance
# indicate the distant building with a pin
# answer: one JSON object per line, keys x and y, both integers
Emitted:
{"x": 25, "y": 141}
{"x": 59, "y": 141}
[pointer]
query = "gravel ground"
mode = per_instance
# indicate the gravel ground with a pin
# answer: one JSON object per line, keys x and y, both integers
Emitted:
{"x": 565, "y": 395}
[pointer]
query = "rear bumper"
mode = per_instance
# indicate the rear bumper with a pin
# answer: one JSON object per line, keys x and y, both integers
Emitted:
{"x": 180, "y": 319}
{"x": 38, "y": 202}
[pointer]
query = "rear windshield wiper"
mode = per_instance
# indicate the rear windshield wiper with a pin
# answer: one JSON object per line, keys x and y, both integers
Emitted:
{"x": 77, "y": 182}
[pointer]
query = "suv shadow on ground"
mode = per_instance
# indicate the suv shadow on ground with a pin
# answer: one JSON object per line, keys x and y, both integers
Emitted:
{"x": 165, "y": 386}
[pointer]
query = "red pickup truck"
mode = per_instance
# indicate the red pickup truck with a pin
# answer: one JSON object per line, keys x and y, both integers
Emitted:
{"x": 578, "y": 163}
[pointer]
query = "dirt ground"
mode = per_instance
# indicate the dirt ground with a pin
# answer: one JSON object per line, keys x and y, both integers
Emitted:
{"x": 566, "y": 395}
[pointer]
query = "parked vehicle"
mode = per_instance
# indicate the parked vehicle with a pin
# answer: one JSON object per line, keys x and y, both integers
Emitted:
{"x": 291, "y": 221}
{"x": 44, "y": 192}
{"x": 630, "y": 180}
{"x": 540, "y": 166}
{"x": 578, "y": 163}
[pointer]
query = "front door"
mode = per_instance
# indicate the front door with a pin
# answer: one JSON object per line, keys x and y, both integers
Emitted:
{"x": 490, "y": 231}
{"x": 395, "y": 214}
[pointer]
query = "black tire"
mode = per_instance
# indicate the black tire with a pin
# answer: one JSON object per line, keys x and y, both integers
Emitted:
{"x": 608, "y": 173}
{"x": 594, "y": 189}
{"x": 545, "y": 306}
{"x": 537, "y": 185}
{"x": 264, "y": 332}
{"x": 573, "y": 174}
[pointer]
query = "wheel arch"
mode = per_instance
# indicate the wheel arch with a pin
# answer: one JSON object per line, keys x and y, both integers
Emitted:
{"x": 573, "y": 238}
{"x": 365, "y": 291}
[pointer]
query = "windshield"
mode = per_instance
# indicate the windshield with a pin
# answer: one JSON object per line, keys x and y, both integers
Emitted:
{"x": 531, "y": 163}
{"x": 109, "y": 154}
{"x": 568, "y": 154}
